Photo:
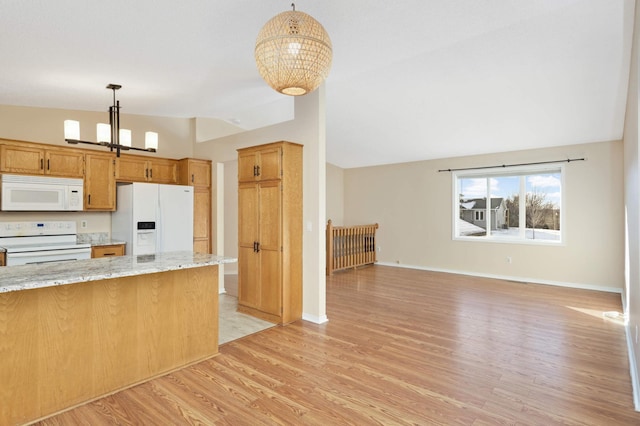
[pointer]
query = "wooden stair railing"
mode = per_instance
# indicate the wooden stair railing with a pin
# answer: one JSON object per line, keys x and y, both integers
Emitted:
{"x": 350, "y": 246}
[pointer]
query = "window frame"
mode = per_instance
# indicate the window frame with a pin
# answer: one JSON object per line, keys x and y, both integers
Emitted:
{"x": 506, "y": 171}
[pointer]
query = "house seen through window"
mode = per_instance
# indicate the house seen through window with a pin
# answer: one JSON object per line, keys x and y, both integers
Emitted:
{"x": 517, "y": 204}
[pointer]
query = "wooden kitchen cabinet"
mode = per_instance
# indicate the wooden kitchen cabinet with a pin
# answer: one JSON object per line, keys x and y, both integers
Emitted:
{"x": 107, "y": 250}
{"x": 34, "y": 159}
{"x": 64, "y": 163}
{"x": 100, "y": 182}
{"x": 260, "y": 165}
{"x": 134, "y": 168}
{"x": 3, "y": 258}
{"x": 197, "y": 173}
{"x": 270, "y": 232}
{"x": 202, "y": 220}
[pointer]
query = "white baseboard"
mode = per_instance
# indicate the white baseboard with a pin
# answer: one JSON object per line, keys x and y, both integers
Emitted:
{"x": 633, "y": 369}
{"x": 315, "y": 319}
{"x": 510, "y": 278}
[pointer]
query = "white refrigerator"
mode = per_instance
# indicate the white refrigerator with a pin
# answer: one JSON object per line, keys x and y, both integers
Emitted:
{"x": 153, "y": 218}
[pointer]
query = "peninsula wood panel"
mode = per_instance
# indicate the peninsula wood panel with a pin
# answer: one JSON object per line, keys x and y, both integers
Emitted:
{"x": 68, "y": 344}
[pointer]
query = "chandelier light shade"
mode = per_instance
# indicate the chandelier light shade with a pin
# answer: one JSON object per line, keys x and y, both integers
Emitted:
{"x": 72, "y": 129}
{"x": 109, "y": 135}
{"x": 151, "y": 141}
{"x": 293, "y": 53}
{"x": 103, "y": 132}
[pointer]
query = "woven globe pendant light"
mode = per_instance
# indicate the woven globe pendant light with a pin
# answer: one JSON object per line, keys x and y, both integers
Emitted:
{"x": 293, "y": 53}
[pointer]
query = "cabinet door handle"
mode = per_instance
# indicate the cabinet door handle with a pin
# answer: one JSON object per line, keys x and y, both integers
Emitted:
{"x": 108, "y": 254}
{"x": 41, "y": 163}
{"x": 89, "y": 199}
{"x": 151, "y": 173}
{"x": 257, "y": 247}
{"x": 146, "y": 173}
{"x": 192, "y": 177}
{"x": 48, "y": 165}
{"x": 257, "y": 170}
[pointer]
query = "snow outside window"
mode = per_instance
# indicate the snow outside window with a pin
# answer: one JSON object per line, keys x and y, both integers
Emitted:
{"x": 514, "y": 204}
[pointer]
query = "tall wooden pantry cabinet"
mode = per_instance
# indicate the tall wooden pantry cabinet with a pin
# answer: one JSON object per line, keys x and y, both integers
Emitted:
{"x": 270, "y": 231}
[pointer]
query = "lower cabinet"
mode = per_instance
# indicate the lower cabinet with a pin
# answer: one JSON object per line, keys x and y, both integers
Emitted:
{"x": 3, "y": 259}
{"x": 107, "y": 251}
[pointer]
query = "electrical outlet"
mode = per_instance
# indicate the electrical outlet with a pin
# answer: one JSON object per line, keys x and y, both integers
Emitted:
{"x": 379, "y": 249}
{"x": 83, "y": 224}
{"x": 508, "y": 259}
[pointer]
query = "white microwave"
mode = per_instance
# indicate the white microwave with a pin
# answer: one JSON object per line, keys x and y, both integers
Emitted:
{"x": 41, "y": 193}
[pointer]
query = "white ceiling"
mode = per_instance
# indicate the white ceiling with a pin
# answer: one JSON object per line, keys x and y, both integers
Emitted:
{"x": 411, "y": 79}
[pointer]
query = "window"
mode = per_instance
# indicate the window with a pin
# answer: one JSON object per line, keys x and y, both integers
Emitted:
{"x": 514, "y": 204}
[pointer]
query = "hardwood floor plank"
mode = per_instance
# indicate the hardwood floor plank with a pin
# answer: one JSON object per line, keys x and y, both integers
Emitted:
{"x": 405, "y": 347}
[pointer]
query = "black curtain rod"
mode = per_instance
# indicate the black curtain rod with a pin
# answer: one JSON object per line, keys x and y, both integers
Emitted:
{"x": 513, "y": 165}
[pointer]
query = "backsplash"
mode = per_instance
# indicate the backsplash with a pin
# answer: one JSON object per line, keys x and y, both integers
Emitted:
{"x": 94, "y": 222}
{"x": 93, "y": 237}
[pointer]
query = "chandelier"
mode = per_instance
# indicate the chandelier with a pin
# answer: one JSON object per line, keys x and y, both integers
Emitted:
{"x": 293, "y": 53}
{"x": 110, "y": 135}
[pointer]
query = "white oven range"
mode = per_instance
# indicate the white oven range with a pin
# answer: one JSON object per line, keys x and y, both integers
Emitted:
{"x": 41, "y": 242}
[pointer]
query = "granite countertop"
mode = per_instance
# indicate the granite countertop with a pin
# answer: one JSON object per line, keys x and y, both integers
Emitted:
{"x": 25, "y": 277}
{"x": 97, "y": 243}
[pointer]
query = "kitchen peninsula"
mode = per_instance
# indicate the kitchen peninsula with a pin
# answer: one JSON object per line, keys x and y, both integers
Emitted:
{"x": 74, "y": 331}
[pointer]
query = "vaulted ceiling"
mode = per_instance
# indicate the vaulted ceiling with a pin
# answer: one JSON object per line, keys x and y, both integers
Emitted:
{"x": 411, "y": 79}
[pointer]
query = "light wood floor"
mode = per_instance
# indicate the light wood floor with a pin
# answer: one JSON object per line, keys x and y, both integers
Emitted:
{"x": 405, "y": 347}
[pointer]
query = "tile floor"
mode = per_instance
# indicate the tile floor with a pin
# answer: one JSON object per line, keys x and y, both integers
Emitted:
{"x": 234, "y": 325}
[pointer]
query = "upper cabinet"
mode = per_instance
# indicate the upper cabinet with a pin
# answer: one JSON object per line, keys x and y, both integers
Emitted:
{"x": 34, "y": 159}
{"x": 100, "y": 182}
{"x": 134, "y": 168}
{"x": 101, "y": 169}
{"x": 265, "y": 164}
{"x": 195, "y": 172}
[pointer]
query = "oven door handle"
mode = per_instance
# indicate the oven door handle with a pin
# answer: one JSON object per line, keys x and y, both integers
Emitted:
{"x": 17, "y": 255}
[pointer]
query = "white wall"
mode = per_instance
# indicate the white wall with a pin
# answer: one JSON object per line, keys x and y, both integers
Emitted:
{"x": 335, "y": 195}
{"x": 231, "y": 214}
{"x": 45, "y": 125}
{"x": 412, "y": 202}
{"x": 632, "y": 209}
